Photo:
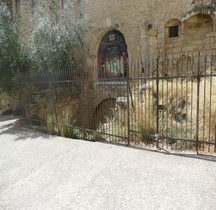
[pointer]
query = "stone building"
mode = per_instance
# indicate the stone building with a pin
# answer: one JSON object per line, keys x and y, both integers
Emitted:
{"x": 142, "y": 28}
{"x": 138, "y": 30}
{"x": 149, "y": 27}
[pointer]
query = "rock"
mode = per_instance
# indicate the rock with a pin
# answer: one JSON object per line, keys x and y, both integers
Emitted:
{"x": 121, "y": 103}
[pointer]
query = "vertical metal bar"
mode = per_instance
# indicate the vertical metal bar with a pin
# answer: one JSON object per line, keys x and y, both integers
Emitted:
{"x": 20, "y": 99}
{"x": 151, "y": 103}
{"x": 137, "y": 103}
{"x": 176, "y": 95}
{"x": 192, "y": 95}
{"x": 167, "y": 98}
{"x": 29, "y": 83}
{"x": 145, "y": 102}
{"x": 198, "y": 105}
{"x": 182, "y": 100}
{"x": 162, "y": 111}
{"x": 210, "y": 103}
{"x": 54, "y": 101}
{"x": 171, "y": 95}
{"x": 150, "y": 115}
{"x": 157, "y": 103}
{"x": 92, "y": 88}
{"x": 128, "y": 104}
{"x": 187, "y": 76}
{"x": 215, "y": 140}
{"x": 204, "y": 105}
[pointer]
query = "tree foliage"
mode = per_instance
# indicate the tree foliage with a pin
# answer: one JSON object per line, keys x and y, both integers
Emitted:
{"x": 54, "y": 38}
{"x": 13, "y": 57}
{"x": 51, "y": 44}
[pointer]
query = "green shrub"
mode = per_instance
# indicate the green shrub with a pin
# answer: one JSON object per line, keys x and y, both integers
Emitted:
{"x": 71, "y": 133}
{"x": 7, "y": 112}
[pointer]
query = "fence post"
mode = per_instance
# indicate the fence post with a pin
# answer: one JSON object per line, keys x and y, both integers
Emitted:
{"x": 53, "y": 98}
{"x": 198, "y": 105}
{"x": 215, "y": 140}
{"x": 20, "y": 98}
{"x": 157, "y": 102}
{"x": 128, "y": 103}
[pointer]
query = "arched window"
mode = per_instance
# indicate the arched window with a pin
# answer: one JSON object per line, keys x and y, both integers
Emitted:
{"x": 173, "y": 28}
{"x": 112, "y": 56}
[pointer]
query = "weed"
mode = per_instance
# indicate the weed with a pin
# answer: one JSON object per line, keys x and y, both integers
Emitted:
{"x": 71, "y": 133}
{"x": 50, "y": 124}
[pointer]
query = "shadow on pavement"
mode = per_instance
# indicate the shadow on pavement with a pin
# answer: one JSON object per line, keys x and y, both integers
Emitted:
{"x": 24, "y": 134}
{"x": 7, "y": 117}
{"x": 20, "y": 134}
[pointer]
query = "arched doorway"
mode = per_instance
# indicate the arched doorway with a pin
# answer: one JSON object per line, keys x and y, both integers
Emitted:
{"x": 112, "y": 56}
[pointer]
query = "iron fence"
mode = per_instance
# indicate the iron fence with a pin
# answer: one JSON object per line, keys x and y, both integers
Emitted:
{"x": 166, "y": 103}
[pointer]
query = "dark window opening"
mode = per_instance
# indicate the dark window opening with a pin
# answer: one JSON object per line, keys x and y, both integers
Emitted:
{"x": 173, "y": 31}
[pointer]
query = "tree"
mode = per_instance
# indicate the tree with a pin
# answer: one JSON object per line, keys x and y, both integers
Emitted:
{"x": 52, "y": 42}
{"x": 13, "y": 56}
{"x": 54, "y": 37}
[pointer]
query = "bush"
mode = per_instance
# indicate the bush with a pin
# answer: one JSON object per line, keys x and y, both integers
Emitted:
{"x": 7, "y": 112}
{"x": 13, "y": 54}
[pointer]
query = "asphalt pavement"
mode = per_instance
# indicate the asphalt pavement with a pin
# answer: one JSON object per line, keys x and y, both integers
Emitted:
{"x": 44, "y": 172}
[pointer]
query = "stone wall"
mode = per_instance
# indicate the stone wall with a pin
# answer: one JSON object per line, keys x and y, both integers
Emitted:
{"x": 43, "y": 109}
{"x": 128, "y": 17}
{"x": 145, "y": 24}
{"x": 5, "y": 102}
{"x": 97, "y": 97}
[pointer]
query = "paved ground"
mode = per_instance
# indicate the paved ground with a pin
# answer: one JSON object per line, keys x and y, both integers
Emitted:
{"x": 48, "y": 173}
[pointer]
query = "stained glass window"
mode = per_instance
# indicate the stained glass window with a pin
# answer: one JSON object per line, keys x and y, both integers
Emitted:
{"x": 113, "y": 56}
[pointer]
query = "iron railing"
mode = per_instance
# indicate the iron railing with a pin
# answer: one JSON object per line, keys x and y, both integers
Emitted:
{"x": 167, "y": 103}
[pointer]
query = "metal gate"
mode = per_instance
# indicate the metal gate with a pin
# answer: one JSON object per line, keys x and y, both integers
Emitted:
{"x": 172, "y": 109}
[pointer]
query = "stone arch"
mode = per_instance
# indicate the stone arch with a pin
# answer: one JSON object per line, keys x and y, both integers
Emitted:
{"x": 197, "y": 11}
{"x": 197, "y": 26}
{"x": 112, "y": 55}
{"x": 103, "y": 110}
{"x": 195, "y": 33}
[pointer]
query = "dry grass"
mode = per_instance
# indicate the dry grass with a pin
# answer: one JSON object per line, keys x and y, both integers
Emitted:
{"x": 180, "y": 101}
{"x": 177, "y": 114}
{"x": 116, "y": 125}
